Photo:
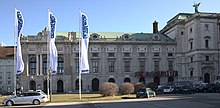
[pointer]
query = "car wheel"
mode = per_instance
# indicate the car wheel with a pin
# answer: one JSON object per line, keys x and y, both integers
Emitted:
{"x": 9, "y": 103}
{"x": 36, "y": 102}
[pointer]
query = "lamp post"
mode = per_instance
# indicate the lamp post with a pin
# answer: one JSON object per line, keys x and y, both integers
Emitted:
{"x": 49, "y": 86}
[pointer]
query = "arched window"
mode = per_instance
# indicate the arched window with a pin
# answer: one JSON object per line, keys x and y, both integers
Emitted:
{"x": 60, "y": 65}
{"x": 111, "y": 80}
{"x": 45, "y": 66}
{"x": 32, "y": 66}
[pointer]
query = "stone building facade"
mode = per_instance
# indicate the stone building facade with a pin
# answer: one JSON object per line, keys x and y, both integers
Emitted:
{"x": 197, "y": 38}
{"x": 186, "y": 49}
{"x": 7, "y": 69}
{"x": 113, "y": 57}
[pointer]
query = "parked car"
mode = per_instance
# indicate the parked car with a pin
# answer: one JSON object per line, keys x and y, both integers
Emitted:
{"x": 35, "y": 98}
{"x": 168, "y": 89}
{"x": 177, "y": 89}
{"x": 187, "y": 90}
{"x": 145, "y": 92}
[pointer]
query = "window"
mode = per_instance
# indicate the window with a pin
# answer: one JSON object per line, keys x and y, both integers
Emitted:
{"x": 191, "y": 73}
{"x": 111, "y": 66}
{"x": 156, "y": 54}
{"x": 190, "y": 30}
{"x": 111, "y": 54}
{"x": 127, "y": 66}
{"x": 191, "y": 45}
{"x": 170, "y": 65}
{"x": 95, "y": 66}
{"x": 206, "y": 58}
{"x": 191, "y": 59}
{"x": 141, "y": 54}
{"x": 206, "y": 27}
{"x": 156, "y": 65}
{"x": 45, "y": 66}
{"x": 170, "y": 54}
{"x": 0, "y": 82}
{"x": 9, "y": 82}
{"x": 77, "y": 66}
{"x": 142, "y": 65}
{"x": 9, "y": 75}
{"x": 95, "y": 54}
{"x": 181, "y": 32}
{"x": 206, "y": 43}
{"x": 32, "y": 65}
{"x": 126, "y": 54}
{"x": 60, "y": 65}
{"x": 77, "y": 54}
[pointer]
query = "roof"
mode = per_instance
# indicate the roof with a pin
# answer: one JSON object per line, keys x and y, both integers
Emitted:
{"x": 180, "y": 16}
{"x": 151, "y": 37}
{"x": 103, "y": 34}
{"x": 6, "y": 51}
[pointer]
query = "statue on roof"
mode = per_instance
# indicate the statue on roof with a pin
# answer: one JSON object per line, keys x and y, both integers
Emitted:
{"x": 196, "y": 5}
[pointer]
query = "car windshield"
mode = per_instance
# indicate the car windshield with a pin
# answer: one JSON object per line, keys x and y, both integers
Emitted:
{"x": 142, "y": 90}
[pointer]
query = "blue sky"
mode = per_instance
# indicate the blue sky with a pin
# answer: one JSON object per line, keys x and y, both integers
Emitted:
{"x": 104, "y": 15}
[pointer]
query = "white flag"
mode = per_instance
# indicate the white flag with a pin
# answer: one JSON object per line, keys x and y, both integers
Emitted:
{"x": 19, "y": 22}
{"x": 53, "y": 49}
{"x": 84, "y": 65}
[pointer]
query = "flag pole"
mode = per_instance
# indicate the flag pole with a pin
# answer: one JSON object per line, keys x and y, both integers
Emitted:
{"x": 15, "y": 64}
{"x": 48, "y": 69}
{"x": 80, "y": 56}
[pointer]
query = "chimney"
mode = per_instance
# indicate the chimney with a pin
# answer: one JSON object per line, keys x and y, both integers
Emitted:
{"x": 155, "y": 27}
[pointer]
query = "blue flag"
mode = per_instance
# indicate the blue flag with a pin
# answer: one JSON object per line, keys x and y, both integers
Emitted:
{"x": 53, "y": 49}
{"x": 19, "y": 25}
{"x": 84, "y": 65}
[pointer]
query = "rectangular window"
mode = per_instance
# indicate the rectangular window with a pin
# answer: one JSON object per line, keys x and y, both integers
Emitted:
{"x": 9, "y": 82}
{"x": 1, "y": 83}
{"x": 111, "y": 66}
{"x": 191, "y": 73}
{"x": 77, "y": 66}
{"x": 191, "y": 45}
{"x": 170, "y": 54}
{"x": 95, "y": 66}
{"x": 9, "y": 75}
{"x": 95, "y": 54}
{"x": 191, "y": 59}
{"x": 127, "y": 66}
{"x": 206, "y": 43}
{"x": 142, "y": 65}
{"x": 141, "y": 54}
{"x": 156, "y": 54}
{"x": 170, "y": 65}
{"x": 111, "y": 54}
{"x": 126, "y": 54}
{"x": 77, "y": 54}
{"x": 206, "y": 58}
{"x": 1, "y": 75}
{"x": 156, "y": 66}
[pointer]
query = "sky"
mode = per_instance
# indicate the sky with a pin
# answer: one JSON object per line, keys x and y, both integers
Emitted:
{"x": 103, "y": 15}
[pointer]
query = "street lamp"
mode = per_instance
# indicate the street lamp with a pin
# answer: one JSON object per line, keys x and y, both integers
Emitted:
{"x": 49, "y": 86}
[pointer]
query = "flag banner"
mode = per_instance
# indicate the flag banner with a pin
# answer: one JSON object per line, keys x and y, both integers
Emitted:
{"x": 53, "y": 49}
{"x": 19, "y": 22}
{"x": 84, "y": 65}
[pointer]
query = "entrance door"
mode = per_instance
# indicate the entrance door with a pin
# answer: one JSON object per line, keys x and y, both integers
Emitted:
{"x": 95, "y": 84}
{"x": 207, "y": 78}
{"x": 59, "y": 86}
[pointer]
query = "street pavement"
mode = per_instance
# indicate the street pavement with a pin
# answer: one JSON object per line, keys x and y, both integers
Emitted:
{"x": 198, "y": 100}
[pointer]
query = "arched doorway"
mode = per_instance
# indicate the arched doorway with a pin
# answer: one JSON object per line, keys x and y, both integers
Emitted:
{"x": 111, "y": 80}
{"x": 157, "y": 80}
{"x": 95, "y": 84}
{"x": 60, "y": 86}
{"x": 45, "y": 86}
{"x": 206, "y": 78}
{"x": 170, "y": 79}
{"x": 142, "y": 80}
{"x": 127, "y": 80}
{"x": 77, "y": 84}
{"x": 32, "y": 85}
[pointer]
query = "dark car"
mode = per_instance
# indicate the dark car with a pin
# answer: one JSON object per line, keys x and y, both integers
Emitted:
{"x": 187, "y": 90}
{"x": 145, "y": 92}
{"x": 178, "y": 89}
